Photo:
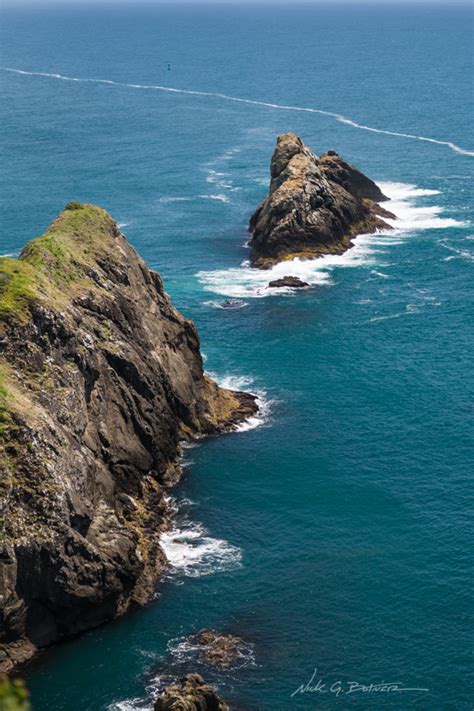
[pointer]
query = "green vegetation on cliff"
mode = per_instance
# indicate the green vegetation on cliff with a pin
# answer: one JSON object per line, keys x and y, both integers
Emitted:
{"x": 13, "y": 695}
{"x": 55, "y": 260}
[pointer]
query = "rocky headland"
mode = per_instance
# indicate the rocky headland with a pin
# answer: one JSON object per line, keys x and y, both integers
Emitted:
{"x": 316, "y": 206}
{"x": 100, "y": 380}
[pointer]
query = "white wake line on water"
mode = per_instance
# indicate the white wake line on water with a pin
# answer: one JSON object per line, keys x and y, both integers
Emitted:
{"x": 226, "y": 97}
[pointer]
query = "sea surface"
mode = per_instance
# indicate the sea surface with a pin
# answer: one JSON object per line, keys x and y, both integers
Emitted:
{"x": 332, "y": 532}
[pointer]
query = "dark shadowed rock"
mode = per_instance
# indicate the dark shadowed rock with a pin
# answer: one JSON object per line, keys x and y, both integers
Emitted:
{"x": 291, "y": 281}
{"x": 100, "y": 380}
{"x": 315, "y": 206}
{"x": 350, "y": 178}
{"x": 190, "y": 694}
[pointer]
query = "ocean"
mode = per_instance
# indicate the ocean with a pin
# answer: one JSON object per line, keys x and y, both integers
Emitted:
{"x": 332, "y": 532}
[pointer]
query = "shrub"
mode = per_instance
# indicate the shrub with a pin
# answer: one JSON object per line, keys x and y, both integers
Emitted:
{"x": 13, "y": 695}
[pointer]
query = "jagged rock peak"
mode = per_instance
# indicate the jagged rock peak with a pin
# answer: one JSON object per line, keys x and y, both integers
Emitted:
{"x": 315, "y": 205}
{"x": 288, "y": 145}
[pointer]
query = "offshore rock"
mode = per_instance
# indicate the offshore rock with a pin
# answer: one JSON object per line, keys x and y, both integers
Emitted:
{"x": 190, "y": 694}
{"x": 289, "y": 281}
{"x": 218, "y": 649}
{"x": 100, "y": 380}
{"x": 316, "y": 205}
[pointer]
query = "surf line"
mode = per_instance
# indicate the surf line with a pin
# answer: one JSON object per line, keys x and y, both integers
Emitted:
{"x": 226, "y": 97}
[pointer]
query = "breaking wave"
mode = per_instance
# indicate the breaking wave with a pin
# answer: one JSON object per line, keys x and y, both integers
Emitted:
{"x": 282, "y": 107}
{"x": 368, "y": 250}
{"x": 235, "y": 382}
{"x": 185, "y": 649}
{"x": 192, "y": 553}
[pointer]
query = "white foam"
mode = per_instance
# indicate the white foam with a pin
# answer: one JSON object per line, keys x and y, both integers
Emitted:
{"x": 221, "y": 197}
{"x": 175, "y": 198}
{"x": 281, "y": 107}
{"x": 243, "y": 382}
{"x": 134, "y": 704}
{"x": 221, "y": 305}
{"x": 243, "y": 282}
{"x": 191, "y": 552}
{"x": 215, "y": 178}
{"x": 368, "y": 250}
{"x": 187, "y": 198}
{"x": 380, "y": 274}
{"x": 219, "y": 179}
{"x": 186, "y": 649}
{"x": 462, "y": 254}
{"x": 411, "y": 216}
{"x": 146, "y": 702}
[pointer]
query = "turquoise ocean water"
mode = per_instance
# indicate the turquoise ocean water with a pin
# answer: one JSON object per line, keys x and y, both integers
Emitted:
{"x": 332, "y": 533}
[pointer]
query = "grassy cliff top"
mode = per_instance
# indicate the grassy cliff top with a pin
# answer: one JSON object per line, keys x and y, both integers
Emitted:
{"x": 49, "y": 271}
{"x": 49, "y": 264}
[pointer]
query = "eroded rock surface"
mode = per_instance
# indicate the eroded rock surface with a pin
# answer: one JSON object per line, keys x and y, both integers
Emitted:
{"x": 219, "y": 649}
{"x": 100, "y": 380}
{"x": 190, "y": 694}
{"x": 315, "y": 206}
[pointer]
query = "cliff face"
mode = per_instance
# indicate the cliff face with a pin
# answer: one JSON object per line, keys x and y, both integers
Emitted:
{"x": 100, "y": 379}
{"x": 315, "y": 206}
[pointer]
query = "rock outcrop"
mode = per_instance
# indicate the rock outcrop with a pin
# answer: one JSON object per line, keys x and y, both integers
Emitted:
{"x": 100, "y": 380}
{"x": 315, "y": 206}
{"x": 190, "y": 694}
{"x": 289, "y": 281}
{"x": 219, "y": 649}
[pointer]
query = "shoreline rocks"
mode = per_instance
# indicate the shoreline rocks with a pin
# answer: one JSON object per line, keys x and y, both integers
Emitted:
{"x": 191, "y": 693}
{"x": 100, "y": 380}
{"x": 316, "y": 206}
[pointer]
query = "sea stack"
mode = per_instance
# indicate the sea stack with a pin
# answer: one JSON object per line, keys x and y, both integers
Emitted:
{"x": 315, "y": 206}
{"x": 100, "y": 380}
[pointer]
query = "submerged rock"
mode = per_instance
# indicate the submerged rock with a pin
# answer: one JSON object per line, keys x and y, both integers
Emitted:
{"x": 219, "y": 649}
{"x": 232, "y": 304}
{"x": 291, "y": 281}
{"x": 100, "y": 380}
{"x": 190, "y": 694}
{"x": 315, "y": 206}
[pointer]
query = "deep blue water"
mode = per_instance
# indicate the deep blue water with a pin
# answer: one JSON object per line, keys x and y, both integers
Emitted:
{"x": 336, "y": 534}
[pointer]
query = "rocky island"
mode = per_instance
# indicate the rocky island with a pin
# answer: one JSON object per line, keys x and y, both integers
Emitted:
{"x": 100, "y": 380}
{"x": 316, "y": 206}
{"x": 190, "y": 694}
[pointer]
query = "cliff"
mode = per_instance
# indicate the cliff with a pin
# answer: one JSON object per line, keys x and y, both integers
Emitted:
{"x": 315, "y": 206}
{"x": 100, "y": 380}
